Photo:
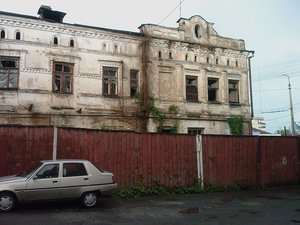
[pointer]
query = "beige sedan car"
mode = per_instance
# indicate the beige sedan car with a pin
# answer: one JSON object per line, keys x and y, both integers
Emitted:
{"x": 58, "y": 179}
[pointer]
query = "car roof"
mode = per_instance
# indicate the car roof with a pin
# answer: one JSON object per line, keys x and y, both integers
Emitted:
{"x": 64, "y": 160}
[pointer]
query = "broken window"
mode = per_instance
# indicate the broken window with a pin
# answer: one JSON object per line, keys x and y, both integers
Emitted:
{"x": 213, "y": 88}
{"x": 62, "y": 77}
{"x": 191, "y": 89}
{"x": 55, "y": 41}
{"x": 159, "y": 55}
{"x": 110, "y": 81}
{"x": 71, "y": 43}
{"x": 9, "y": 72}
{"x": 195, "y": 131}
{"x": 18, "y": 36}
{"x": 2, "y": 34}
{"x": 233, "y": 91}
{"x": 134, "y": 82}
{"x": 197, "y": 31}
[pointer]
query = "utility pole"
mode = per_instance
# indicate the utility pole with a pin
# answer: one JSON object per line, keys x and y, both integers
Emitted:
{"x": 291, "y": 106}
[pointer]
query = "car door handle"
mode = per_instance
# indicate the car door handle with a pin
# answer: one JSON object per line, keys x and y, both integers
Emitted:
{"x": 55, "y": 181}
{"x": 86, "y": 179}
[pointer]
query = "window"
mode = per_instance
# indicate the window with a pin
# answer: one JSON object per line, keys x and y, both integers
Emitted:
{"x": 104, "y": 47}
{"x": 133, "y": 82}
{"x": 217, "y": 61}
{"x": 48, "y": 171}
{"x": 116, "y": 48}
{"x": 213, "y": 87}
{"x": 159, "y": 55}
{"x": 236, "y": 63}
{"x": 233, "y": 91}
{"x": 191, "y": 89}
{"x": 197, "y": 31}
{"x": 2, "y": 34}
{"x": 110, "y": 81}
{"x": 207, "y": 60}
{"x": 186, "y": 57}
{"x": 62, "y": 78}
{"x": 228, "y": 62}
{"x": 170, "y": 55}
{"x": 55, "y": 40}
{"x": 71, "y": 43}
{"x": 195, "y": 58}
{"x": 195, "y": 131}
{"x": 9, "y": 72}
{"x": 74, "y": 170}
{"x": 18, "y": 35}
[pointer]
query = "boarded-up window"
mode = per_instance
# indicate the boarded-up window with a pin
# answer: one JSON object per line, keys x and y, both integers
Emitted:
{"x": 110, "y": 82}
{"x": 191, "y": 89}
{"x": 9, "y": 72}
{"x": 213, "y": 88}
{"x": 62, "y": 77}
{"x": 134, "y": 82}
{"x": 233, "y": 91}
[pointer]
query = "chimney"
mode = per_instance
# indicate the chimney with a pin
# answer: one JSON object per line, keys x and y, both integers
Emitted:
{"x": 46, "y": 13}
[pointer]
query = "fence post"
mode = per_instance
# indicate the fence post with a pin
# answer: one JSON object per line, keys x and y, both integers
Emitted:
{"x": 258, "y": 160}
{"x": 199, "y": 159}
{"x": 54, "y": 152}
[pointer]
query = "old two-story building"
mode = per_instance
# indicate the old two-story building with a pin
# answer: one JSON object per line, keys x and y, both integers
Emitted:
{"x": 186, "y": 79}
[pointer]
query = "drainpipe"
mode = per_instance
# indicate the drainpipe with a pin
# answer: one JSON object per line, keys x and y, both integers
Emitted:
{"x": 250, "y": 83}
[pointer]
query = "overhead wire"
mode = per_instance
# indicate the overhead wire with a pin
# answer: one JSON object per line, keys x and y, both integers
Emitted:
{"x": 179, "y": 5}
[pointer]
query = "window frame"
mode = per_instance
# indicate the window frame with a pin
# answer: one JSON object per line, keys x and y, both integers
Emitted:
{"x": 63, "y": 75}
{"x": 134, "y": 83}
{"x": 107, "y": 79}
{"x": 196, "y": 130}
{"x": 214, "y": 89}
{"x": 36, "y": 176}
{"x": 9, "y": 73}
{"x": 189, "y": 93}
{"x": 236, "y": 90}
{"x": 77, "y": 174}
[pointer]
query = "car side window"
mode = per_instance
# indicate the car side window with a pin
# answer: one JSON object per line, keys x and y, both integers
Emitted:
{"x": 48, "y": 171}
{"x": 74, "y": 170}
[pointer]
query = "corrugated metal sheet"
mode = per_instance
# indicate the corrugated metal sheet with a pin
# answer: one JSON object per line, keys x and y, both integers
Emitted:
{"x": 169, "y": 160}
{"x": 228, "y": 160}
{"x": 23, "y": 147}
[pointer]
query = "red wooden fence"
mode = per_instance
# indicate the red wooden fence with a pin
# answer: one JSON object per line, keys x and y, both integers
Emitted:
{"x": 169, "y": 160}
{"x": 148, "y": 158}
{"x": 229, "y": 160}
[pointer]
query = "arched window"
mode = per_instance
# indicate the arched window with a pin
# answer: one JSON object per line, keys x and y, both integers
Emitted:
{"x": 55, "y": 41}
{"x": 18, "y": 35}
{"x": 2, "y": 34}
{"x": 228, "y": 62}
{"x": 71, "y": 43}
{"x": 116, "y": 48}
{"x": 207, "y": 60}
{"x": 186, "y": 57}
{"x": 197, "y": 31}
{"x": 236, "y": 63}
{"x": 195, "y": 58}
{"x": 159, "y": 55}
{"x": 217, "y": 61}
{"x": 104, "y": 47}
{"x": 170, "y": 55}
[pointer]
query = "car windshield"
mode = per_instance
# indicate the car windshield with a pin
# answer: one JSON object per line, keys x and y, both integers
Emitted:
{"x": 29, "y": 172}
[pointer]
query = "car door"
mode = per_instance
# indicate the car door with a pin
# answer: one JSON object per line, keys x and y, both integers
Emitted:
{"x": 44, "y": 184}
{"x": 74, "y": 179}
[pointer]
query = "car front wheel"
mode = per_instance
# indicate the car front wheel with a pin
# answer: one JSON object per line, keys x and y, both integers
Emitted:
{"x": 90, "y": 199}
{"x": 7, "y": 202}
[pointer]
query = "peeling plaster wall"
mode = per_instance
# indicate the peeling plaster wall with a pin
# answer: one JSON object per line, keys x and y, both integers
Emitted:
{"x": 184, "y": 52}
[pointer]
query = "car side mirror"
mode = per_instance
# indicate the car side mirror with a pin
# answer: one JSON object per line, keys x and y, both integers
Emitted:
{"x": 34, "y": 177}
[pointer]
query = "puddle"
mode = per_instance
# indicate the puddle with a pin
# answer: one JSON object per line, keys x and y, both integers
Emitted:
{"x": 190, "y": 211}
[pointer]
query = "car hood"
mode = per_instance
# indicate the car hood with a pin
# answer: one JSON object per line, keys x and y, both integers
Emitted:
{"x": 10, "y": 179}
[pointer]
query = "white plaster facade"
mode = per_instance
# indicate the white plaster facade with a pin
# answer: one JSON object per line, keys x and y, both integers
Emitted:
{"x": 97, "y": 92}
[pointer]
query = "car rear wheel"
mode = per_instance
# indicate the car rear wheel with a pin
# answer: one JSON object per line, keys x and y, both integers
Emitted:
{"x": 7, "y": 202}
{"x": 90, "y": 199}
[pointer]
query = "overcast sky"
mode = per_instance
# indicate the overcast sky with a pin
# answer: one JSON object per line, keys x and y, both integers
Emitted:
{"x": 269, "y": 27}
